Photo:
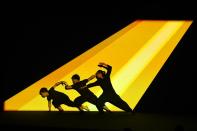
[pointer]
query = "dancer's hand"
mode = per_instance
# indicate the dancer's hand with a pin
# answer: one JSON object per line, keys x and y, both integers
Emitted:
{"x": 101, "y": 64}
{"x": 63, "y": 82}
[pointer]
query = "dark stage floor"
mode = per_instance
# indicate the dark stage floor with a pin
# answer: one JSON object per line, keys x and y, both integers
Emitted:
{"x": 118, "y": 121}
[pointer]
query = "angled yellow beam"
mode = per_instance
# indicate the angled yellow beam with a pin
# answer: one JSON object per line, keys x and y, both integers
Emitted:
{"x": 140, "y": 71}
{"x": 122, "y": 44}
{"x": 17, "y": 101}
{"x": 136, "y": 65}
{"x": 147, "y": 75}
{"x": 133, "y": 52}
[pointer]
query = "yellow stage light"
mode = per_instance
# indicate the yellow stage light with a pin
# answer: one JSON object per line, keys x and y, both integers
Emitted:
{"x": 136, "y": 54}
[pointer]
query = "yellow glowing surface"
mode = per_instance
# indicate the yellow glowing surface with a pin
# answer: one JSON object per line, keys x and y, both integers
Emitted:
{"x": 136, "y": 54}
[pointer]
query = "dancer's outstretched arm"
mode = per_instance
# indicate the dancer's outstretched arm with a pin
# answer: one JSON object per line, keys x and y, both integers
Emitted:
{"x": 57, "y": 84}
{"x": 106, "y": 66}
{"x": 91, "y": 77}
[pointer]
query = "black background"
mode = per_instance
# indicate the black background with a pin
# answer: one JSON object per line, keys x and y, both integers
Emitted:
{"x": 38, "y": 44}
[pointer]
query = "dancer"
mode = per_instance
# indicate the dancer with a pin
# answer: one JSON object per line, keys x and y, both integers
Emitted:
{"x": 85, "y": 94}
{"x": 58, "y": 98}
{"x": 109, "y": 94}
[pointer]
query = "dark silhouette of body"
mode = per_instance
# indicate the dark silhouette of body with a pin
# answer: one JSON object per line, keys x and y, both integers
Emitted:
{"x": 57, "y": 98}
{"x": 109, "y": 94}
{"x": 85, "y": 94}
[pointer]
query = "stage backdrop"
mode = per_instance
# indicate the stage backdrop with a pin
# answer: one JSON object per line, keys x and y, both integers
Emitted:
{"x": 136, "y": 54}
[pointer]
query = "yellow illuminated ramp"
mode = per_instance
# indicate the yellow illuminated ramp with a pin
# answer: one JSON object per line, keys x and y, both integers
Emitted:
{"x": 136, "y": 54}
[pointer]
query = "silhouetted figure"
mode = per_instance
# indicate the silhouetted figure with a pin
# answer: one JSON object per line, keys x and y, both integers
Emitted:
{"x": 85, "y": 95}
{"x": 109, "y": 94}
{"x": 57, "y": 98}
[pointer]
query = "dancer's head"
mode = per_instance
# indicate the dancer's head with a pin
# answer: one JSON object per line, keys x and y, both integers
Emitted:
{"x": 44, "y": 92}
{"x": 75, "y": 78}
{"x": 100, "y": 74}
